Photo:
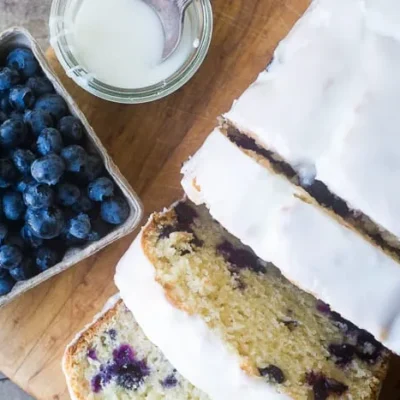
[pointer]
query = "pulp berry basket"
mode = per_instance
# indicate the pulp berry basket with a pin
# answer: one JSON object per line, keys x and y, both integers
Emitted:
{"x": 19, "y": 37}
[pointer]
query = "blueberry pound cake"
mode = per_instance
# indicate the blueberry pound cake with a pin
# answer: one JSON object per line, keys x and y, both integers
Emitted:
{"x": 233, "y": 325}
{"x": 113, "y": 359}
{"x": 315, "y": 251}
{"x": 337, "y": 126}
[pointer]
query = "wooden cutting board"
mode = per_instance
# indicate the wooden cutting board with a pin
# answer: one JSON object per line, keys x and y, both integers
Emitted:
{"x": 148, "y": 142}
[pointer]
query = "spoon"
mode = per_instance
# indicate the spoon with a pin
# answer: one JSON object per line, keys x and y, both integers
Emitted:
{"x": 171, "y": 13}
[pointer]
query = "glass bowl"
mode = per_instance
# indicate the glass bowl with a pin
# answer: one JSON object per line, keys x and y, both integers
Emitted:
{"x": 61, "y": 22}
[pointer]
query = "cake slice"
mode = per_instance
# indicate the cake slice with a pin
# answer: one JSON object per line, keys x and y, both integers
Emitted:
{"x": 113, "y": 359}
{"x": 328, "y": 108}
{"x": 233, "y": 325}
{"x": 323, "y": 257}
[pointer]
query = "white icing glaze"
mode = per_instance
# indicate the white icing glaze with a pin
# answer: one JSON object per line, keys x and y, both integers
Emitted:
{"x": 197, "y": 353}
{"x": 330, "y": 100}
{"x": 313, "y": 250}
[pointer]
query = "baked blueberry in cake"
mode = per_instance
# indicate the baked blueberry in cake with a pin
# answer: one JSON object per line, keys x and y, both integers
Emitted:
{"x": 233, "y": 309}
{"x": 113, "y": 359}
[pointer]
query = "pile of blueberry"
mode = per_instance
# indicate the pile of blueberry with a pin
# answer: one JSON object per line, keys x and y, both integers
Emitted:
{"x": 54, "y": 191}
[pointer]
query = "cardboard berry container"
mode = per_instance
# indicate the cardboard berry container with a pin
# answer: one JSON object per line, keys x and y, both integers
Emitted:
{"x": 20, "y": 37}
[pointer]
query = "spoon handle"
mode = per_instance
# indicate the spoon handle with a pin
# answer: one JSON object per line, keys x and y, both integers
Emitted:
{"x": 182, "y": 4}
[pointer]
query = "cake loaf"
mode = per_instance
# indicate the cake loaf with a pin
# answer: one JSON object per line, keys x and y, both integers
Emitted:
{"x": 326, "y": 109}
{"x": 233, "y": 325}
{"x": 113, "y": 359}
{"x": 323, "y": 257}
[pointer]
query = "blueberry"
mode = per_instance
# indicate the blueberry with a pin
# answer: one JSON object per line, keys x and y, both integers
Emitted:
{"x": 24, "y": 271}
{"x": 83, "y": 204}
{"x": 23, "y": 184}
{"x": 6, "y": 285}
{"x": 23, "y": 160}
{"x": 8, "y": 172}
{"x": 12, "y": 133}
{"x": 342, "y": 354}
{"x": 79, "y": 226}
{"x": 75, "y": 158}
{"x": 71, "y": 129}
{"x": 29, "y": 237}
{"x": 131, "y": 377}
{"x": 39, "y": 195}
{"x": 169, "y": 382}
{"x": 273, "y": 373}
{"x": 115, "y": 210}
{"x": 49, "y": 141}
{"x": 40, "y": 85}
{"x": 101, "y": 189}
{"x": 46, "y": 223}
{"x": 10, "y": 256}
{"x": 8, "y": 78}
{"x": 13, "y": 206}
{"x": 38, "y": 120}
{"x": 54, "y": 104}
{"x": 21, "y": 98}
{"x": 46, "y": 258}
{"x": 67, "y": 194}
{"x": 3, "y": 232}
{"x": 48, "y": 169}
{"x": 24, "y": 61}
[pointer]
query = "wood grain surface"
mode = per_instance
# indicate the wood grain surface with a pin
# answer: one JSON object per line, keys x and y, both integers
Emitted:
{"x": 148, "y": 142}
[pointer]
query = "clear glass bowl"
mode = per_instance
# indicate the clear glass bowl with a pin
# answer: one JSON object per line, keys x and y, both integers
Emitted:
{"x": 62, "y": 17}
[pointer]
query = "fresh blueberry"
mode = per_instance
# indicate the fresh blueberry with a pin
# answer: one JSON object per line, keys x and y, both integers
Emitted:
{"x": 39, "y": 195}
{"x": 71, "y": 129}
{"x": 40, "y": 85}
{"x": 12, "y": 133}
{"x": 46, "y": 223}
{"x": 75, "y": 158}
{"x": 24, "y": 61}
{"x": 29, "y": 237}
{"x": 48, "y": 169}
{"x": 83, "y": 204}
{"x": 8, "y": 78}
{"x": 10, "y": 256}
{"x": 54, "y": 104}
{"x": 13, "y": 206}
{"x": 23, "y": 184}
{"x": 38, "y": 120}
{"x": 6, "y": 285}
{"x": 46, "y": 258}
{"x": 169, "y": 382}
{"x": 92, "y": 170}
{"x": 115, "y": 210}
{"x": 5, "y": 105}
{"x": 24, "y": 271}
{"x": 23, "y": 160}
{"x": 21, "y": 98}
{"x": 342, "y": 354}
{"x": 49, "y": 141}
{"x": 8, "y": 172}
{"x": 3, "y": 232}
{"x": 79, "y": 226}
{"x": 67, "y": 194}
{"x": 100, "y": 189}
